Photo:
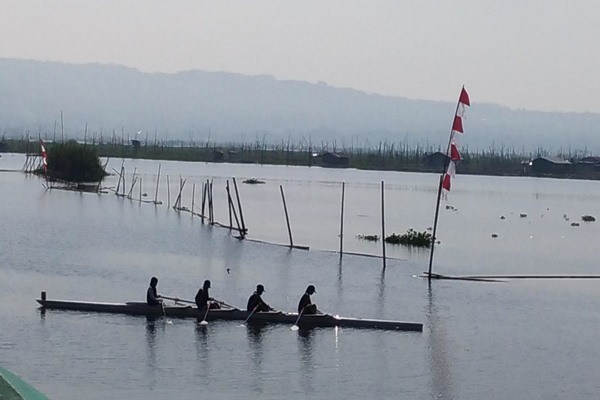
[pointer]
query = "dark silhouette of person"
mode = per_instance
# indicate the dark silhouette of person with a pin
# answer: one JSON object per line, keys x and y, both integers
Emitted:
{"x": 152, "y": 297}
{"x": 256, "y": 303}
{"x": 305, "y": 306}
{"x": 203, "y": 299}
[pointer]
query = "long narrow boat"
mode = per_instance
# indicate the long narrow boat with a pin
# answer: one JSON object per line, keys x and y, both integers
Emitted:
{"x": 176, "y": 311}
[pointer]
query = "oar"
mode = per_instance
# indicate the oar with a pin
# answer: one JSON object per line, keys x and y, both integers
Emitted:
{"x": 249, "y": 315}
{"x": 178, "y": 300}
{"x": 225, "y": 304}
{"x": 204, "y": 321}
{"x": 295, "y": 327}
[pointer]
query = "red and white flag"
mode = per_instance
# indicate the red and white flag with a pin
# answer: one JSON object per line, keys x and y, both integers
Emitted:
{"x": 463, "y": 101}
{"x": 454, "y": 154}
{"x": 457, "y": 126}
{"x": 43, "y": 150}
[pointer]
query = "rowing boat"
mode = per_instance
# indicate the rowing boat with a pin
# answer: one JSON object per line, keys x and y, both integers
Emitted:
{"x": 232, "y": 314}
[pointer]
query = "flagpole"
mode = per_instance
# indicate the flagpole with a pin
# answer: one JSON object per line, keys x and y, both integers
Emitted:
{"x": 439, "y": 194}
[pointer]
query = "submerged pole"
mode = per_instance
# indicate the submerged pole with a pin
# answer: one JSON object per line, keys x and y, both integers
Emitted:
{"x": 229, "y": 203}
{"x": 237, "y": 195}
{"x": 342, "y": 220}
{"x": 193, "y": 197}
{"x": 211, "y": 204}
{"x": 168, "y": 193}
{"x": 287, "y": 219}
{"x": 435, "y": 220}
{"x": 204, "y": 186}
{"x": 383, "y": 223}
{"x": 157, "y": 182}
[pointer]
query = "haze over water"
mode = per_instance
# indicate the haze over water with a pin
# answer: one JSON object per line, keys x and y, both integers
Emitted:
{"x": 531, "y": 339}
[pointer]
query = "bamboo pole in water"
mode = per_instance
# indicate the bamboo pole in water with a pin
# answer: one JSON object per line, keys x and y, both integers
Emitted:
{"x": 168, "y": 193}
{"x": 287, "y": 219}
{"x": 342, "y": 220}
{"x": 229, "y": 203}
{"x": 232, "y": 209}
{"x": 237, "y": 195}
{"x": 157, "y": 182}
{"x": 383, "y": 224}
{"x": 204, "y": 186}
{"x": 193, "y": 197}
{"x": 140, "y": 190}
{"x": 123, "y": 175}
{"x": 133, "y": 180}
{"x": 210, "y": 203}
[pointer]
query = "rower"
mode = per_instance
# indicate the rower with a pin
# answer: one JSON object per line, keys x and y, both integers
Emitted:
{"x": 256, "y": 303}
{"x": 305, "y": 306}
{"x": 203, "y": 299}
{"x": 152, "y": 297}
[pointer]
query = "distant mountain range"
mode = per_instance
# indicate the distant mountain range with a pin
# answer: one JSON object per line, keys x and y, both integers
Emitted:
{"x": 227, "y": 107}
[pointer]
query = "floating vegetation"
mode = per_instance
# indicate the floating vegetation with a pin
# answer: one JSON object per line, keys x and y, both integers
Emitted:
{"x": 565, "y": 217}
{"x": 253, "y": 181}
{"x": 369, "y": 238}
{"x": 588, "y": 218}
{"x": 523, "y": 215}
{"x": 574, "y": 223}
{"x": 494, "y": 235}
{"x": 410, "y": 238}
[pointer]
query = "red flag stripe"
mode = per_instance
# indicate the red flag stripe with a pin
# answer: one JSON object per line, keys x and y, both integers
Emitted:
{"x": 454, "y": 154}
{"x": 43, "y": 150}
{"x": 446, "y": 182}
{"x": 464, "y": 98}
{"x": 457, "y": 126}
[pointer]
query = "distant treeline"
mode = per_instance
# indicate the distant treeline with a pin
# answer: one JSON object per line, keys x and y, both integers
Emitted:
{"x": 383, "y": 156}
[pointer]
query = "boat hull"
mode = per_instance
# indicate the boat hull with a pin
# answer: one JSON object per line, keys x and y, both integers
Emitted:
{"x": 305, "y": 321}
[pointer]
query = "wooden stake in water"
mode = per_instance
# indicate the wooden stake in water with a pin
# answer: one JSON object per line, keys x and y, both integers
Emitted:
{"x": 342, "y": 220}
{"x": 168, "y": 193}
{"x": 157, "y": 182}
{"x": 204, "y": 186}
{"x": 287, "y": 218}
{"x": 237, "y": 195}
{"x": 193, "y": 197}
{"x": 383, "y": 224}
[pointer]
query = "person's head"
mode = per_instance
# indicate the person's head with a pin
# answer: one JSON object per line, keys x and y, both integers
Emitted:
{"x": 206, "y": 284}
{"x": 260, "y": 289}
{"x": 310, "y": 289}
{"x": 154, "y": 281}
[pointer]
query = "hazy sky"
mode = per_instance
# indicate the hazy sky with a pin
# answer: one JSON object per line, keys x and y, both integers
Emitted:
{"x": 530, "y": 54}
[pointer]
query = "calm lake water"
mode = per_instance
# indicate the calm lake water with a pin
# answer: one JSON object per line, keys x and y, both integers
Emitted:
{"x": 518, "y": 339}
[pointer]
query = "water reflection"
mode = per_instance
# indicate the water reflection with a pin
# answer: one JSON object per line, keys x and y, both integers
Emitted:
{"x": 340, "y": 282}
{"x": 151, "y": 344}
{"x": 254, "y": 335}
{"x": 306, "y": 349}
{"x": 203, "y": 348}
{"x": 442, "y": 385}
{"x": 381, "y": 291}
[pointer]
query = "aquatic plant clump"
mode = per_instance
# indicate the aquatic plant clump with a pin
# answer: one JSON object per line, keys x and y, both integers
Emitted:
{"x": 74, "y": 162}
{"x": 588, "y": 218}
{"x": 411, "y": 238}
{"x": 369, "y": 238}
